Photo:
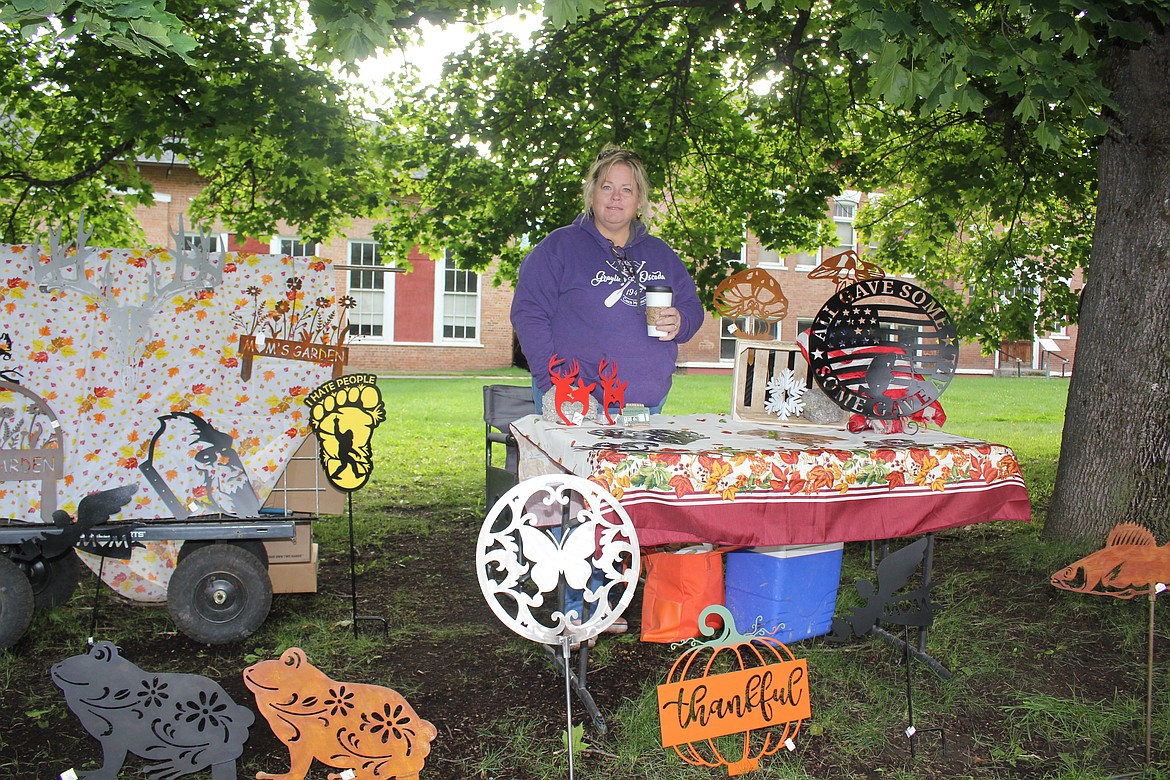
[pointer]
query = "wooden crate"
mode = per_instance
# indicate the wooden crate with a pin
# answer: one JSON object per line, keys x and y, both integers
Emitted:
{"x": 756, "y": 363}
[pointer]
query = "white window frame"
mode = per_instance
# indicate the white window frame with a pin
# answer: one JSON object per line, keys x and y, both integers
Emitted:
{"x": 275, "y": 245}
{"x": 219, "y": 239}
{"x": 441, "y": 293}
{"x": 852, "y": 200}
{"x": 386, "y": 308}
{"x": 771, "y": 259}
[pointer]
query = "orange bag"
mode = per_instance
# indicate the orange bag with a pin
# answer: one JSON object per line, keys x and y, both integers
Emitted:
{"x": 679, "y": 585}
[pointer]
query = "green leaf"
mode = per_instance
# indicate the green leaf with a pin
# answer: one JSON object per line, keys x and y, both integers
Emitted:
{"x": 578, "y": 742}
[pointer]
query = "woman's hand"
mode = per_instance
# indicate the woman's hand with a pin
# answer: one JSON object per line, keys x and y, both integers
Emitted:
{"x": 668, "y": 323}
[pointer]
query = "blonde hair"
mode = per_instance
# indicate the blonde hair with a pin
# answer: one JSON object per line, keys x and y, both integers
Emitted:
{"x": 609, "y": 156}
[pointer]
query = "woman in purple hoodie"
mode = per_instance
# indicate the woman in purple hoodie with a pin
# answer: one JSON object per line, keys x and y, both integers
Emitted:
{"x": 581, "y": 293}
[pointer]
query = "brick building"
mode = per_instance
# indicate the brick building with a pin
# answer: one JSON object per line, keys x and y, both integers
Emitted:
{"x": 438, "y": 318}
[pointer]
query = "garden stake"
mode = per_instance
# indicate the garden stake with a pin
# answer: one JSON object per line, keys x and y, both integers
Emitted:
{"x": 568, "y": 702}
{"x": 96, "y": 593}
{"x": 353, "y": 581}
{"x": 1154, "y": 591}
{"x": 911, "y": 731}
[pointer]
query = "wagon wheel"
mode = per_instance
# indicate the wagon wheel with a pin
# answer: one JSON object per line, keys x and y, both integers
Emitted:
{"x": 254, "y": 546}
{"x": 219, "y": 593}
{"x": 53, "y": 580}
{"x": 16, "y": 603}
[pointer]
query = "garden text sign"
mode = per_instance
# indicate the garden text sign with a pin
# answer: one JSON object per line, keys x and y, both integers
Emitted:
{"x": 735, "y": 702}
{"x": 761, "y": 693}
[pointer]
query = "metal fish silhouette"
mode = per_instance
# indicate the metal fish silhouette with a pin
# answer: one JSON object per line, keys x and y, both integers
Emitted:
{"x": 1130, "y": 564}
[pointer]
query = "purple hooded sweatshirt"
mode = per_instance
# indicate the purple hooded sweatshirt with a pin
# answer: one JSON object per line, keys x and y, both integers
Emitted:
{"x": 572, "y": 300}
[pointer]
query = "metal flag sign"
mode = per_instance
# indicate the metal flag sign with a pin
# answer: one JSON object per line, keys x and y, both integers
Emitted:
{"x": 763, "y": 696}
{"x": 344, "y": 413}
{"x": 883, "y": 348}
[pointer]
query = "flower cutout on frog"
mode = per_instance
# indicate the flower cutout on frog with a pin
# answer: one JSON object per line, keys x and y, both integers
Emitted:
{"x": 339, "y": 702}
{"x": 206, "y": 711}
{"x": 389, "y": 723}
{"x": 153, "y": 692}
{"x": 784, "y": 395}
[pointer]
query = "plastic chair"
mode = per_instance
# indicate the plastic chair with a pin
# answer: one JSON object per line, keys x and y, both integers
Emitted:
{"x": 501, "y": 405}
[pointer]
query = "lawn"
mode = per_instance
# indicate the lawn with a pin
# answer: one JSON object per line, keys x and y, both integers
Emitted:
{"x": 1045, "y": 684}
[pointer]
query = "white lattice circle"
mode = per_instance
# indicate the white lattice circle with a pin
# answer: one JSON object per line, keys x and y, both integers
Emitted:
{"x": 522, "y": 564}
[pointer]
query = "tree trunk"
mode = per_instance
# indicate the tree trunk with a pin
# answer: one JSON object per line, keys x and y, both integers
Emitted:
{"x": 1116, "y": 444}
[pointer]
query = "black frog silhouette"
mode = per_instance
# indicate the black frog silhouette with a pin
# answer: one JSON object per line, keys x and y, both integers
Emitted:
{"x": 184, "y": 723}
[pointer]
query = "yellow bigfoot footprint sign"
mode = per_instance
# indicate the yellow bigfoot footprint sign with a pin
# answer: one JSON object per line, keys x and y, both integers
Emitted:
{"x": 343, "y": 414}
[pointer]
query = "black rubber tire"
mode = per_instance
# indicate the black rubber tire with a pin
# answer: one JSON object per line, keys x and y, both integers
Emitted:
{"x": 16, "y": 603}
{"x": 219, "y": 593}
{"x": 53, "y": 581}
{"x": 254, "y": 546}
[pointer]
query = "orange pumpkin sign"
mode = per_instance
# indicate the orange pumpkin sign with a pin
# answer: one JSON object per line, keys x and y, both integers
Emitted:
{"x": 733, "y": 684}
{"x": 746, "y": 700}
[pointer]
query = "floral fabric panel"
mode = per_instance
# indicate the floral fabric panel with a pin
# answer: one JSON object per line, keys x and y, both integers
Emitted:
{"x": 140, "y": 370}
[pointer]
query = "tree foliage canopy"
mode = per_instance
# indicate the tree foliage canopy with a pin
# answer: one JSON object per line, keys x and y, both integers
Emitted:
{"x": 91, "y": 87}
{"x": 978, "y": 123}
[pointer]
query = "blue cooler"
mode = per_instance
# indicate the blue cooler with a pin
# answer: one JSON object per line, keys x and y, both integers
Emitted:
{"x": 791, "y": 591}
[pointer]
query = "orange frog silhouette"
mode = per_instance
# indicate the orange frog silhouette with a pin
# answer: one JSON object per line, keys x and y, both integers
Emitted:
{"x": 1130, "y": 564}
{"x": 365, "y": 728}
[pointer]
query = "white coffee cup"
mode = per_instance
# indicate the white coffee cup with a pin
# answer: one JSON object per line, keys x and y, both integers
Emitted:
{"x": 657, "y": 299}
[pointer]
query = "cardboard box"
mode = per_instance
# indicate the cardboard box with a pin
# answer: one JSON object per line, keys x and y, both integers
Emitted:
{"x": 303, "y": 487}
{"x": 295, "y": 550}
{"x": 295, "y": 577}
{"x": 791, "y": 590}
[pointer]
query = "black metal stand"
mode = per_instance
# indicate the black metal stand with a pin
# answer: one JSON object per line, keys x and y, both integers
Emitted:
{"x": 918, "y": 650}
{"x": 578, "y": 683}
{"x": 353, "y": 582}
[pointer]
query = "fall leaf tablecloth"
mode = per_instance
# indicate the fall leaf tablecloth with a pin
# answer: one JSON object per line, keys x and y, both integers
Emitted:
{"x": 708, "y": 478}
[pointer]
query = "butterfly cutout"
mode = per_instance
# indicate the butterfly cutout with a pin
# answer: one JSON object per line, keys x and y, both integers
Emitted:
{"x": 550, "y": 559}
{"x": 846, "y": 269}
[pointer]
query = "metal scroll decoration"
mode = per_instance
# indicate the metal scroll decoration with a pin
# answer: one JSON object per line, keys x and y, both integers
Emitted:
{"x": 367, "y": 729}
{"x": 522, "y": 563}
{"x": 761, "y": 695}
{"x": 180, "y": 723}
{"x": 549, "y": 534}
{"x": 883, "y": 348}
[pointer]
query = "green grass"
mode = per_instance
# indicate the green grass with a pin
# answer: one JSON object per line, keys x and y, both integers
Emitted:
{"x": 428, "y": 480}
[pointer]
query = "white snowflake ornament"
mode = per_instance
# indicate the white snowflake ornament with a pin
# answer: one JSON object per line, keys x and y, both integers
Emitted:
{"x": 784, "y": 395}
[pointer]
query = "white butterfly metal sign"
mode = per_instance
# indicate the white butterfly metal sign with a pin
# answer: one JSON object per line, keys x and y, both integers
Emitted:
{"x": 549, "y": 535}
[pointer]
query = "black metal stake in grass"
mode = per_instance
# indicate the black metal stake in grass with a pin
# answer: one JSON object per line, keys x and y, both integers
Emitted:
{"x": 911, "y": 730}
{"x": 353, "y": 580}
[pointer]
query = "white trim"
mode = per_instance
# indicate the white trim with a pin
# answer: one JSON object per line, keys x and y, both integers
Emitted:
{"x": 440, "y": 292}
{"x": 389, "y": 275}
